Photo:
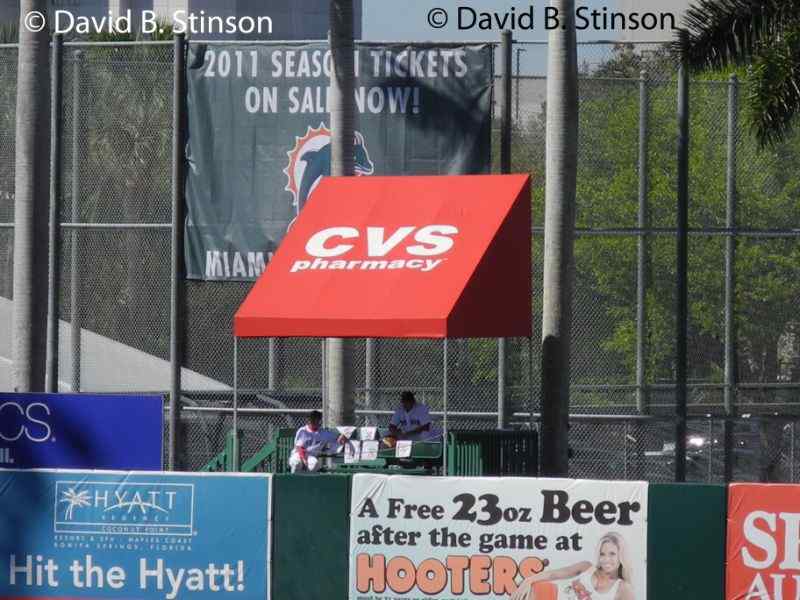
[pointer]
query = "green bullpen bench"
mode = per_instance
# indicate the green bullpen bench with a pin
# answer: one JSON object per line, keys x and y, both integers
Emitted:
{"x": 425, "y": 459}
{"x": 469, "y": 453}
{"x": 273, "y": 457}
{"x": 493, "y": 453}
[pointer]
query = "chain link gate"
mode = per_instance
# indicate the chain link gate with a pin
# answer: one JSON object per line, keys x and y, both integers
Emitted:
{"x": 114, "y": 290}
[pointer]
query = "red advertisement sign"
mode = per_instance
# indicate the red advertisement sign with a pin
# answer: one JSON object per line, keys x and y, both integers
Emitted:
{"x": 400, "y": 257}
{"x": 763, "y": 553}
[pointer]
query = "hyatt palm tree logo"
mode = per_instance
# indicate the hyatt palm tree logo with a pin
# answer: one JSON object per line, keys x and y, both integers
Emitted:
{"x": 143, "y": 507}
{"x": 74, "y": 499}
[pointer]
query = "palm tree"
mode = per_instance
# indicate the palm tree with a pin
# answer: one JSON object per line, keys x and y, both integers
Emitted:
{"x": 559, "y": 226}
{"x": 765, "y": 36}
{"x": 340, "y": 406}
{"x": 31, "y": 199}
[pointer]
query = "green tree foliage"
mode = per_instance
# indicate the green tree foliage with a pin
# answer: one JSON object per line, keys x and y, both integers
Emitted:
{"x": 766, "y": 269}
{"x": 765, "y": 36}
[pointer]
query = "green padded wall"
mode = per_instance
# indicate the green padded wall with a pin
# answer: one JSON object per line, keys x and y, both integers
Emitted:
{"x": 686, "y": 542}
{"x": 685, "y": 539}
{"x": 311, "y": 537}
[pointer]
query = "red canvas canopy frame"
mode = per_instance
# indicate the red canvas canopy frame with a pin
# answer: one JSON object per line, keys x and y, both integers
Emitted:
{"x": 408, "y": 257}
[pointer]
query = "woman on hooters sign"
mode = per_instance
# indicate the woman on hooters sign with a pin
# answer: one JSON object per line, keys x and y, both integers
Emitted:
{"x": 609, "y": 578}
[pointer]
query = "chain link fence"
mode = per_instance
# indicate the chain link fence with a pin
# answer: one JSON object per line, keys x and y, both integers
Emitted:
{"x": 8, "y": 101}
{"x": 115, "y": 274}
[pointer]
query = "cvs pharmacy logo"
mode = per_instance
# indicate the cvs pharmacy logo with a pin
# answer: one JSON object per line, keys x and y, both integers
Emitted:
{"x": 29, "y": 422}
{"x": 347, "y": 245}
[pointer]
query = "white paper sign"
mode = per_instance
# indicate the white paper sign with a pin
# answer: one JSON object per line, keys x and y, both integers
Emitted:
{"x": 367, "y": 433}
{"x": 352, "y": 451}
{"x": 369, "y": 450}
{"x": 403, "y": 448}
{"x": 346, "y": 430}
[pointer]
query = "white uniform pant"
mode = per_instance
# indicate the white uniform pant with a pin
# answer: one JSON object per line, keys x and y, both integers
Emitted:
{"x": 312, "y": 464}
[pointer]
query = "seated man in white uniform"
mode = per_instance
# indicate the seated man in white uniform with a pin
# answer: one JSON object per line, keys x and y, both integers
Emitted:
{"x": 411, "y": 421}
{"x": 311, "y": 441}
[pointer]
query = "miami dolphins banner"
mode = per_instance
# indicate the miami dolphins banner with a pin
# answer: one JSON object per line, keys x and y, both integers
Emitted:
{"x": 137, "y": 535}
{"x": 259, "y": 136}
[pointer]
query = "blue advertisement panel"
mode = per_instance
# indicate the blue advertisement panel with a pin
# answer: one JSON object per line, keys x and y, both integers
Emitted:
{"x": 81, "y": 431}
{"x": 69, "y": 534}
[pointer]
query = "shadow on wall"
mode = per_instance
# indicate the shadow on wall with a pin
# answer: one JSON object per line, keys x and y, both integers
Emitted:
{"x": 38, "y": 496}
{"x": 101, "y": 358}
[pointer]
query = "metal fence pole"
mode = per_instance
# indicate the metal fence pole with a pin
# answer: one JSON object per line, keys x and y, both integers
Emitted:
{"x": 505, "y": 114}
{"x": 235, "y": 459}
{"x": 641, "y": 250}
{"x": 369, "y": 371}
{"x": 176, "y": 290}
{"x": 519, "y": 83}
{"x": 710, "y": 439}
{"x": 505, "y": 168}
{"x": 625, "y": 439}
{"x": 444, "y": 406}
{"x": 681, "y": 302}
{"x": 792, "y": 477}
{"x": 323, "y": 392}
{"x": 272, "y": 363}
{"x": 531, "y": 401}
{"x": 74, "y": 252}
{"x": 730, "y": 278}
{"x": 54, "y": 259}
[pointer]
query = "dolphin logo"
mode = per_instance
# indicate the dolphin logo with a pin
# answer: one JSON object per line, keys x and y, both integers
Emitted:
{"x": 310, "y": 161}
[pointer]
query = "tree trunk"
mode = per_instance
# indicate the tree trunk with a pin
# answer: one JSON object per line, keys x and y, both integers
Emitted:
{"x": 559, "y": 264}
{"x": 31, "y": 201}
{"x": 340, "y": 409}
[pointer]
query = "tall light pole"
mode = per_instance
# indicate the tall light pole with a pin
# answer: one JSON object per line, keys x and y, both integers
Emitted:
{"x": 31, "y": 199}
{"x": 559, "y": 231}
{"x": 340, "y": 405}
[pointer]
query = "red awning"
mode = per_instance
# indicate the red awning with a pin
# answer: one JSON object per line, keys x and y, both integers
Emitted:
{"x": 414, "y": 257}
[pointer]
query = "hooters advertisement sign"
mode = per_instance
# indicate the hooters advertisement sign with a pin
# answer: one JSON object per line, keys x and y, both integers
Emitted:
{"x": 527, "y": 539}
{"x": 763, "y": 555}
{"x": 401, "y": 257}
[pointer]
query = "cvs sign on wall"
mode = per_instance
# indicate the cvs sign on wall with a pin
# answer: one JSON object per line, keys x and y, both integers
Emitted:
{"x": 30, "y": 421}
{"x": 81, "y": 431}
{"x": 375, "y": 248}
